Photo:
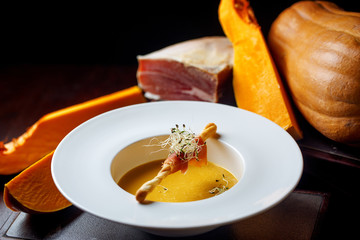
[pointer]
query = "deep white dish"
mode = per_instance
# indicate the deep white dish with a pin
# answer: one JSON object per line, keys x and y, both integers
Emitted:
{"x": 270, "y": 159}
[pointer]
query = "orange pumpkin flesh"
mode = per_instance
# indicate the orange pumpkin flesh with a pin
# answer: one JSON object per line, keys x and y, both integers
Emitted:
{"x": 34, "y": 191}
{"x": 316, "y": 47}
{"x": 44, "y": 136}
{"x": 257, "y": 85}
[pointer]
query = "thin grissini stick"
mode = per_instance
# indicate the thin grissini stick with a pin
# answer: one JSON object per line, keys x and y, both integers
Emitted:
{"x": 149, "y": 186}
{"x": 172, "y": 164}
{"x": 209, "y": 131}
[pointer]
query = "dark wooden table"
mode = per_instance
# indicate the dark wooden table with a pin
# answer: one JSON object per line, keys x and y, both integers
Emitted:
{"x": 331, "y": 172}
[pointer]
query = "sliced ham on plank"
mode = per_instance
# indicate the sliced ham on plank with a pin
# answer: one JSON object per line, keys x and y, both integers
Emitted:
{"x": 191, "y": 70}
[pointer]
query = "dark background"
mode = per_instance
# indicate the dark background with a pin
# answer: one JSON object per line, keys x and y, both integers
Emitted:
{"x": 100, "y": 33}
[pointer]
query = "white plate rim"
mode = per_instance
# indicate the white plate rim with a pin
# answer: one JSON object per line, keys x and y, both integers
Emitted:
{"x": 155, "y": 216}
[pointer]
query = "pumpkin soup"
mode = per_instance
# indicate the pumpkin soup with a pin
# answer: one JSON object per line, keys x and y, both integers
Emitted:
{"x": 196, "y": 184}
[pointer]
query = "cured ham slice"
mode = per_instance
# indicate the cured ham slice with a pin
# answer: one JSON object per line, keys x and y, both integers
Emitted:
{"x": 192, "y": 70}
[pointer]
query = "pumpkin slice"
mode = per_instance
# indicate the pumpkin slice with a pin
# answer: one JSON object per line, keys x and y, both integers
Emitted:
{"x": 257, "y": 85}
{"x": 34, "y": 191}
{"x": 44, "y": 136}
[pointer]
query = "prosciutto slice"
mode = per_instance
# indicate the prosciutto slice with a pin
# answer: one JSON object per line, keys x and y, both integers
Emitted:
{"x": 191, "y": 70}
{"x": 175, "y": 162}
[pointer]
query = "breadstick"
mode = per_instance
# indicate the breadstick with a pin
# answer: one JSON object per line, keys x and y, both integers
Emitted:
{"x": 171, "y": 165}
{"x": 209, "y": 131}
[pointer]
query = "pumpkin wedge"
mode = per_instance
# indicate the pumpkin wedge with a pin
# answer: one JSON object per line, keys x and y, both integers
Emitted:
{"x": 34, "y": 191}
{"x": 44, "y": 136}
{"x": 256, "y": 82}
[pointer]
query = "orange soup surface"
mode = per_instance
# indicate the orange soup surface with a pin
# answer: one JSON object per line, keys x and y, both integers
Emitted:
{"x": 196, "y": 184}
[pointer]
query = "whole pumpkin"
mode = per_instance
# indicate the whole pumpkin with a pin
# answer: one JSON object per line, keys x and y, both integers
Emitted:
{"x": 316, "y": 46}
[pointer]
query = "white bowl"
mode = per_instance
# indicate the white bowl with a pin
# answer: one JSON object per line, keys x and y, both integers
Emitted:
{"x": 91, "y": 159}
